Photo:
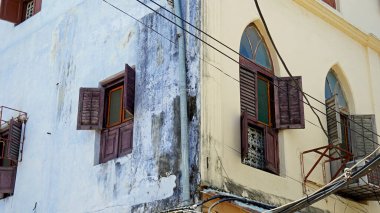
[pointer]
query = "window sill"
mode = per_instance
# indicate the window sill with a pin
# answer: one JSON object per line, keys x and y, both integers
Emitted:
{"x": 334, "y": 18}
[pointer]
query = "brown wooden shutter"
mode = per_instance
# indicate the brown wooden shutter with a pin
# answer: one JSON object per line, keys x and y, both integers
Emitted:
{"x": 129, "y": 89}
{"x": 248, "y": 95}
{"x": 244, "y": 135}
{"x": 109, "y": 144}
{"x": 271, "y": 151}
{"x": 126, "y": 139}
{"x": 7, "y": 179}
{"x": 289, "y": 103}
{"x": 363, "y": 141}
{"x": 90, "y": 108}
{"x": 37, "y": 6}
{"x": 11, "y": 10}
{"x": 332, "y": 3}
{"x": 14, "y": 139}
{"x": 333, "y": 121}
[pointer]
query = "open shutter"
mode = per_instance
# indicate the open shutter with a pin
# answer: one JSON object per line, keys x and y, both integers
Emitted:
{"x": 126, "y": 139}
{"x": 90, "y": 108}
{"x": 244, "y": 135}
{"x": 129, "y": 89}
{"x": 7, "y": 179}
{"x": 271, "y": 151}
{"x": 333, "y": 121}
{"x": 109, "y": 144}
{"x": 289, "y": 104}
{"x": 248, "y": 95}
{"x": 14, "y": 139}
{"x": 37, "y": 6}
{"x": 363, "y": 141}
{"x": 332, "y": 3}
{"x": 11, "y": 10}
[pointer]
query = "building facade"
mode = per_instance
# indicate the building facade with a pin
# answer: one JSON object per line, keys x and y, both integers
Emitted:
{"x": 91, "y": 118}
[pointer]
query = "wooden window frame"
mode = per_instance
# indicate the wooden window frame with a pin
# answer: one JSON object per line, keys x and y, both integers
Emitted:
{"x": 17, "y": 13}
{"x": 270, "y": 99}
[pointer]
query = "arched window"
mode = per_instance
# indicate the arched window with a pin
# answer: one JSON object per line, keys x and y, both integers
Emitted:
{"x": 268, "y": 103}
{"x": 352, "y": 133}
{"x": 253, "y": 47}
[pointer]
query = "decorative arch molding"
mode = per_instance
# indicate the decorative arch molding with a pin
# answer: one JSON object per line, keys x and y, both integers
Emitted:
{"x": 344, "y": 83}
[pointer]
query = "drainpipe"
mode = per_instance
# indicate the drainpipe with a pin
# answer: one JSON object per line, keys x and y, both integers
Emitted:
{"x": 183, "y": 104}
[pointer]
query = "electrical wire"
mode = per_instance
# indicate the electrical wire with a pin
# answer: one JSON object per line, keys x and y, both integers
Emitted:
{"x": 314, "y": 109}
{"x": 271, "y": 39}
{"x": 307, "y": 103}
{"x": 136, "y": 19}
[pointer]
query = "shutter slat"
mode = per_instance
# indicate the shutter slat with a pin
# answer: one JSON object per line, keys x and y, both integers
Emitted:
{"x": 129, "y": 89}
{"x": 90, "y": 108}
{"x": 11, "y": 10}
{"x": 271, "y": 151}
{"x": 363, "y": 141}
{"x": 14, "y": 139}
{"x": 248, "y": 96}
{"x": 7, "y": 179}
{"x": 289, "y": 104}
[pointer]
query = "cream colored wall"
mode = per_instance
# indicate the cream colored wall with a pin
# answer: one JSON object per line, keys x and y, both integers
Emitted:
{"x": 310, "y": 48}
{"x": 364, "y": 14}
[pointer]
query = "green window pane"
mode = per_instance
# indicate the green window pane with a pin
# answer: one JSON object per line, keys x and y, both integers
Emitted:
{"x": 263, "y": 100}
{"x": 114, "y": 115}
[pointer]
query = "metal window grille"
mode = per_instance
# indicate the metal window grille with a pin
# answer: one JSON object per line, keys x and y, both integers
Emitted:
{"x": 255, "y": 157}
{"x": 29, "y": 9}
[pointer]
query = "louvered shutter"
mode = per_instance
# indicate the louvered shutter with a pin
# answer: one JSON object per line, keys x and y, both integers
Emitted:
{"x": 248, "y": 95}
{"x": 11, "y": 10}
{"x": 334, "y": 132}
{"x": 109, "y": 144}
{"x": 7, "y": 179}
{"x": 289, "y": 103}
{"x": 90, "y": 108}
{"x": 126, "y": 139}
{"x": 244, "y": 135}
{"x": 129, "y": 89}
{"x": 363, "y": 141}
{"x": 271, "y": 151}
{"x": 14, "y": 139}
{"x": 332, "y": 3}
{"x": 333, "y": 121}
{"x": 37, "y": 6}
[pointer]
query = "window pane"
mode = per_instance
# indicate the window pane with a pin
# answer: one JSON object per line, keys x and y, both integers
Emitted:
{"x": 115, "y": 104}
{"x": 254, "y": 37}
{"x": 245, "y": 48}
{"x": 262, "y": 56}
{"x": 263, "y": 100}
{"x": 328, "y": 92}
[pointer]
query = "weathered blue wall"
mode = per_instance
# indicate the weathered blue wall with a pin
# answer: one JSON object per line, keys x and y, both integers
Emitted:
{"x": 72, "y": 44}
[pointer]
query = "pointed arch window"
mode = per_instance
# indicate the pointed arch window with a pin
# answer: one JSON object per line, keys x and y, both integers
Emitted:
{"x": 268, "y": 103}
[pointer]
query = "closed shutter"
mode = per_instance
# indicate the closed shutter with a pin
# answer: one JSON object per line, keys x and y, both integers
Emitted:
{"x": 333, "y": 121}
{"x": 7, "y": 179}
{"x": 37, "y": 6}
{"x": 109, "y": 144}
{"x": 248, "y": 95}
{"x": 14, "y": 139}
{"x": 363, "y": 141}
{"x": 289, "y": 103}
{"x": 11, "y": 10}
{"x": 90, "y": 108}
{"x": 332, "y": 3}
{"x": 126, "y": 139}
{"x": 129, "y": 89}
{"x": 271, "y": 151}
{"x": 244, "y": 135}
